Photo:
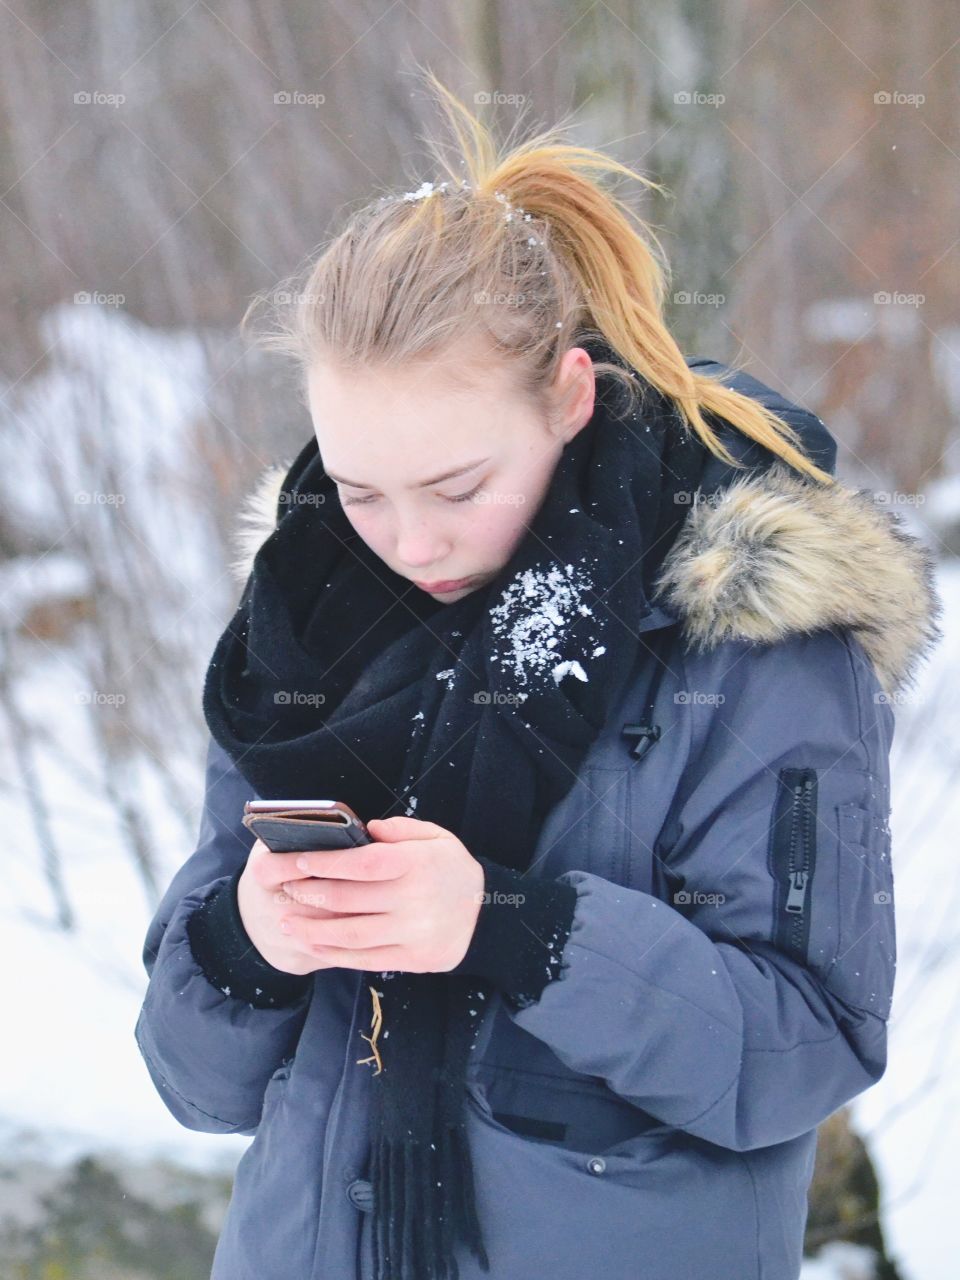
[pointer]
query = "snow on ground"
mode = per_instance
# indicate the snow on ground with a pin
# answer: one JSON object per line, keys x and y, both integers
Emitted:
{"x": 911, "y": 1118}
{"x": 118, "y": 403}
{"x": 839, "y": 1260}
{"x": 74, "y": 1070}
{"x": 117, "y": 392}
{"x": 72, "y": 999}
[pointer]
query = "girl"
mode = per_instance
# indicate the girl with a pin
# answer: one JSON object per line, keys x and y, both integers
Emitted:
{"x": 589, "y": 635}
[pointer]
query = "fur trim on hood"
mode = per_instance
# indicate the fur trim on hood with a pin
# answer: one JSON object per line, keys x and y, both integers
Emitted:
{"x": 776, "y": 553}
{"x": 771, "y": 554}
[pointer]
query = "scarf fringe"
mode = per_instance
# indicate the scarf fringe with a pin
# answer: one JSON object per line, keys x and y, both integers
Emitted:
{"x": 423, "y": 1203}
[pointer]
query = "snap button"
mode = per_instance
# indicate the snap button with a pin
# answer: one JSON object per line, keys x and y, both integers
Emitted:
{"x": 596, "y": 1164}
{"x": 360, "y": 1194}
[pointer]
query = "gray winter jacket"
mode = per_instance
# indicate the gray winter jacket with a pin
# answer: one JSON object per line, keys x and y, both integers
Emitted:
{"x": 730, "y": 969}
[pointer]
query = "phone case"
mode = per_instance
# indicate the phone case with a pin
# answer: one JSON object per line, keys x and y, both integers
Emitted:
{"x": 293, "y": 830}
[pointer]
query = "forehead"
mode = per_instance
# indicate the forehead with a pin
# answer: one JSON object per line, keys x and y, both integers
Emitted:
{"x": 461, "y": 370}
{"x": 378, "y": 423}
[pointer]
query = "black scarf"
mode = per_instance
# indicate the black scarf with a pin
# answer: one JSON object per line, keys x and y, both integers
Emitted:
{"x": 546, "y": 644}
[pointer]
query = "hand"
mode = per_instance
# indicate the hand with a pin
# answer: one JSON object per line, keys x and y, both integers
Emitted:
{"x": 409, "y": 901}
{"x": 262, "y": 902}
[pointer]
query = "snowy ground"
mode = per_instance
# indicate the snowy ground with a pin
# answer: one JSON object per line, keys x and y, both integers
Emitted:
{"x": 114, "y": 417}
{"x": 911, "y": 1118}
{"x": 72, "y": 1000}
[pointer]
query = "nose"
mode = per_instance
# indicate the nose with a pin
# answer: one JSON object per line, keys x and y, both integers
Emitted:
{"x": 418, "y": 547}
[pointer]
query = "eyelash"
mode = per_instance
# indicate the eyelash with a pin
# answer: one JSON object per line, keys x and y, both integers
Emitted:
{"x": 462, "y": 497}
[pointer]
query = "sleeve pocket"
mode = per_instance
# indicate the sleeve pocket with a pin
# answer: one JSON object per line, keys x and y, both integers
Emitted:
{"x": 863, "y": 972}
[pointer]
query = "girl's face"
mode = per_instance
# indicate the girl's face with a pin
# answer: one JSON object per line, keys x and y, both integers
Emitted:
{"x": 391, "y": 441}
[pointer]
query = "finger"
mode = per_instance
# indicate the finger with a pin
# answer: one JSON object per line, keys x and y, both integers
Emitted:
{"x": 374, "y": 959}
{"x": 274, "y": 869}
{"x": 352, "y": 933}
{"x": 343, "y": 896}
{"x": 375, "y": 861}
{"x": 400, "y": 827}
{"x": 286, "y": 903}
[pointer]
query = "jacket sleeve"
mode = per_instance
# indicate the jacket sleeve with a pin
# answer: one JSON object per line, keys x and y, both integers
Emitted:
{"x": 746, "y": 999}
{"x": 213, "y": 1029}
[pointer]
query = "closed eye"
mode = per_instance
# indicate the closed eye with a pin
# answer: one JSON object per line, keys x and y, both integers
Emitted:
{"x": 461, "y": 497}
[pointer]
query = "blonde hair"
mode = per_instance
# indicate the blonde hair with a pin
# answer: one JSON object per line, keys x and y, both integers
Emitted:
{"x": 525, "y": 249}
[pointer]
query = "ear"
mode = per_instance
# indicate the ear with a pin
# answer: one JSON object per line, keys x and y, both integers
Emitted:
{"x": 576, "y": 392}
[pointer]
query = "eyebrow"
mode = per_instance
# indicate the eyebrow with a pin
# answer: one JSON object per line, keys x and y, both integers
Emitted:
{"x": 422, "y": 484}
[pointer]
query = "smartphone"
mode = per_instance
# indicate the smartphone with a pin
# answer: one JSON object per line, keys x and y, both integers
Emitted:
{"x": 290, "y": 826}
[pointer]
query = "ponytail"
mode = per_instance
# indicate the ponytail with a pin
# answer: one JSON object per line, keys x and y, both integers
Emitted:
{"x": 525, "y": 248}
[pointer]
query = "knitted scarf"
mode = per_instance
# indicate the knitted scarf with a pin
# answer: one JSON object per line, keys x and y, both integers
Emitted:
{"x": 338, "y": 678}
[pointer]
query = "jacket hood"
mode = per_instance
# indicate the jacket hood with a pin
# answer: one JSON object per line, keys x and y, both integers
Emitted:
{"x": 763, "y": 554}
{"x": 776, "y": 554}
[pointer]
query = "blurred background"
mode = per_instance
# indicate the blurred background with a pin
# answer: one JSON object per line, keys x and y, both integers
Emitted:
{"x": 163, "y": 162}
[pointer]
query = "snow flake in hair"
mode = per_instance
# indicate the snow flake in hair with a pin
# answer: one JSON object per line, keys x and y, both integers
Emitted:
{"x": 425, "y": 190}
{"x": 510, "y": 209}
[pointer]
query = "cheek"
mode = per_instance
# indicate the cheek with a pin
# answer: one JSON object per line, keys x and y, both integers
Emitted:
{"x": 378, "y": 529}
{"x": 366, "y": 524}
{"x": 502, "y": 527}
{"x": 491, "y": 531}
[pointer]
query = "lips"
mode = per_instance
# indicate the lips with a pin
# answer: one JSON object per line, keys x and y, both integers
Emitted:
{"x": 440, "y": 587}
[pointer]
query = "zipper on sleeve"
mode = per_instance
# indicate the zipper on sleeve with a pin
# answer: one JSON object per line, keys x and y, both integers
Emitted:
{"x": 794, "y": 858}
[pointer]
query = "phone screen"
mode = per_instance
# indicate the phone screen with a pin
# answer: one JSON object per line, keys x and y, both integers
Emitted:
{"x": 274, "y": 806}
